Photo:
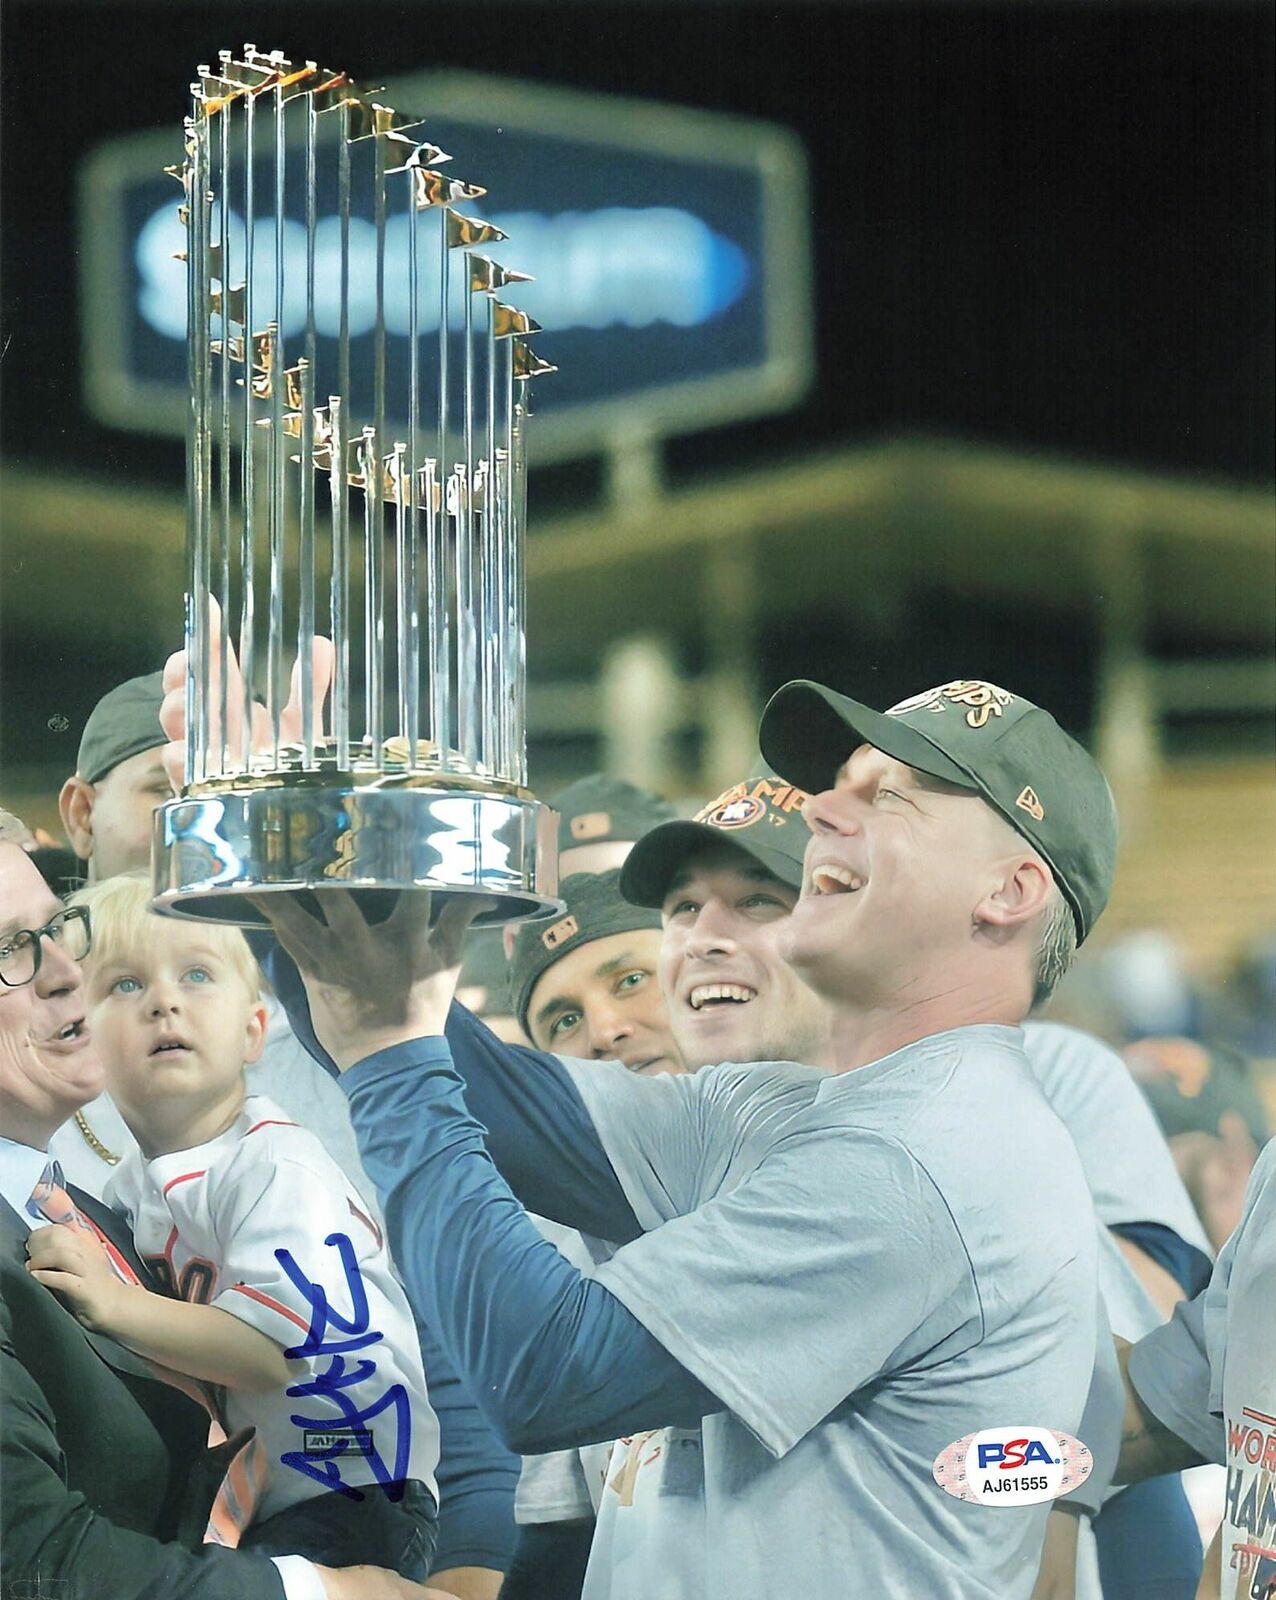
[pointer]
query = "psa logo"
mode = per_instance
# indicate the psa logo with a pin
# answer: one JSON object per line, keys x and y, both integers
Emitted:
{"x": 1012, "y": 1466}
{"x": 1014, "y": 1453}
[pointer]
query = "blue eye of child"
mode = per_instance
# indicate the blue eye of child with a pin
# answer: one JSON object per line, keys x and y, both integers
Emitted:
{"x": 199, "y": 975}
{"x": 126, "y": 986}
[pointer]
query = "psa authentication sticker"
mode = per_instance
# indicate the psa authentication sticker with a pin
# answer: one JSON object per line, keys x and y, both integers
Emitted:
{"x": 1012, "y": 1466}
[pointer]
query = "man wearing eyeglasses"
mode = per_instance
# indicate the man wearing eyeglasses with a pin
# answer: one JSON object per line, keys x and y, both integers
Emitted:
{"x": 105, "y": 1480}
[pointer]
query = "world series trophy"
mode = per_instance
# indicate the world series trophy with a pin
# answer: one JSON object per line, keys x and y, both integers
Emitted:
{"x": 381, "y": 495}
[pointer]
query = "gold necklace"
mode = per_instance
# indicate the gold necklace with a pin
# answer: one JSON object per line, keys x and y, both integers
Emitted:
{"x": 94, "y": 1143}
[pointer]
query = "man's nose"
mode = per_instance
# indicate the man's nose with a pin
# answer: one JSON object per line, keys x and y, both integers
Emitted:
{"x": 833, "y": 811}
{"x": 59, "y": 973}
{"x": 608, "y": 1025}
{"x": 710, "y": 936}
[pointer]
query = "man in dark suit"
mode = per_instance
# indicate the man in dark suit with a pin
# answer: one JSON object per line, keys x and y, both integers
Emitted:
{"x": 105, "y": 1482}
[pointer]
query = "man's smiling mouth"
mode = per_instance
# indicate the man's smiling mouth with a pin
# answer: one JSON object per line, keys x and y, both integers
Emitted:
{"x": 717, "y": 994}
{"x": 74, "y": 1034}
{"x": 835, "y": 880}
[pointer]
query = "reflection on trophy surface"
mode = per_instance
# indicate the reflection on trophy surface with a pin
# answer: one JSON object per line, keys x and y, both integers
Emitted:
{"x": 371, "y": 480}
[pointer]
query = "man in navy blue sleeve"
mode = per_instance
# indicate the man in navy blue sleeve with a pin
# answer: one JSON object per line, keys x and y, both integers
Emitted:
{"x": 826, "y": 1291}
{"x": 748, "y": 845}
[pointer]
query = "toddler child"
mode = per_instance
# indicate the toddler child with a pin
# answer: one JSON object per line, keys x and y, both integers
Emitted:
{"x": 286, "y": 1302}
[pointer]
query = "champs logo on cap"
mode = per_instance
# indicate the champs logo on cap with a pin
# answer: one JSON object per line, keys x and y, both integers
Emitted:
{"x": 744, "y": 804}
{"x": 983, "y": 700}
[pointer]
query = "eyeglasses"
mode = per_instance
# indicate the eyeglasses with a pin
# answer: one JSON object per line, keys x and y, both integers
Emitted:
{"x": 20, "y": 952}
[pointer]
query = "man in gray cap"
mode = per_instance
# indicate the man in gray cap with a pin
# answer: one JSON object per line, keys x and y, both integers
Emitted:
{"x": 107, "y": 808}
{"x": 827, "y": 1276}
{"x": 727, "y": 882}
{"x": 1149, "y": 1239}
{"x": 586, "y": 984}
{"x": 108, "y": 801}
{"x": 599, "y": 819}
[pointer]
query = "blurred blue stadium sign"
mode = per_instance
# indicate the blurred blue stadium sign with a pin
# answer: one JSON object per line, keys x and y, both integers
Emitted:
{"x": 670, "y": 250}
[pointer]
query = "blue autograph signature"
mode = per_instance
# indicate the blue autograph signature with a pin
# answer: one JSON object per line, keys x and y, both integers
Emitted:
{"x": 353, "y": 1334}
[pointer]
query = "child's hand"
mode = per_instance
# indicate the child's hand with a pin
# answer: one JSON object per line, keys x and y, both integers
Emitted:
{"x": 63, "y": 1258}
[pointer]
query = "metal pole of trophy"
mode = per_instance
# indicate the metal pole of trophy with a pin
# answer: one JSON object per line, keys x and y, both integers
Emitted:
{"x": 378, "y": 488}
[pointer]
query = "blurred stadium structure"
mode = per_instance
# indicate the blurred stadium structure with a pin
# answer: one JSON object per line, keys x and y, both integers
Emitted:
{"x": 655, "y": 618}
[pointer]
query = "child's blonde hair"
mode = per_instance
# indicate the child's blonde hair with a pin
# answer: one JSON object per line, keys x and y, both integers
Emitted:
{"x": 122, "y": 919}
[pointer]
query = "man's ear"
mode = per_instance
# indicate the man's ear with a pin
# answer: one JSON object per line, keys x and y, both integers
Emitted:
{"x": 75, "y": 805}
{"x": 1019, "y": 897}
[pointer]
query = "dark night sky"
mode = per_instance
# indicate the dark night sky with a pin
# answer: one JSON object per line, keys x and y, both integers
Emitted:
{"x": 1041, "y": 225}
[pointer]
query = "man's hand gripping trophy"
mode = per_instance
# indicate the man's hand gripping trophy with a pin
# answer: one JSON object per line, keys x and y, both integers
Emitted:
{"x": 370, "y": 986}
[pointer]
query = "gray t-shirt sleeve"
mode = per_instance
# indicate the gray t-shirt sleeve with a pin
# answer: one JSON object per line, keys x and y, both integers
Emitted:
{"x": 1127, "y": 1163}
{"x": 653, "y": 1132}
{"x": 1176, "y": 1369}
{"x": 835, "y": 1261}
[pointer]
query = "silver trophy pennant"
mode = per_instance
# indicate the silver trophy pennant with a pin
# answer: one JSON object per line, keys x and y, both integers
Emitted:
{"x": 356, "y": 445}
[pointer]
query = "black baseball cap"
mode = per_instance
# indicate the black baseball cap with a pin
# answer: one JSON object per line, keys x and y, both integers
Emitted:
{"x": 594, "y": 909}
{"x": 602, "y": 810}
{"x": 981, "y": 737}
{"x": 123, "y": 723}
{"x": 761, "y": 817}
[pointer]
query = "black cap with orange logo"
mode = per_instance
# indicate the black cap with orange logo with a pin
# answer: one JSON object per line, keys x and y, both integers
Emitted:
{"x": 978, "y": 736}
{"x": 762, "y": 817}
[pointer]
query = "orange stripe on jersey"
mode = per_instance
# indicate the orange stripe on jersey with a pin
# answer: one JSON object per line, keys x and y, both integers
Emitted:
{"x": 366, "y": 1220}
{"x": 184, "y": 1178}
{"x": 256, "y": 1294}
{"x": 271, "y": 1122}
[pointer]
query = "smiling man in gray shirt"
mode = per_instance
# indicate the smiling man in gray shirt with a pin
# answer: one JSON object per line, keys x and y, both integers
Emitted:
{"x": 825, "y": 1278}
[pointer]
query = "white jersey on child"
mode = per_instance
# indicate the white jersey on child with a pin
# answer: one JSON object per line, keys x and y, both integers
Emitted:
{"x": 213, "y": 1222}
{"x": 90, "y": 1144}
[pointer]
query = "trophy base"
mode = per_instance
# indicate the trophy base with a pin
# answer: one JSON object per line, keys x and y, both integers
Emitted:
{"x": 212, "y": 851}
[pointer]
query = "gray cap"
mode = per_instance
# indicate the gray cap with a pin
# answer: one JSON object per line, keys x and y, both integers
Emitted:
{"x": 602, "y": 810}
{"x": 594, "y": 910}
{"x": 123, "y": 723}
{"x": 974, "y": 734}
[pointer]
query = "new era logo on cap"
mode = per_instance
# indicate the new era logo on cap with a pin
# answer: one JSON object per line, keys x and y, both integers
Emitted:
{"x": 590, "y": 825}
{"x": 562, "y": 930}
{"x": 1028, "y": 802}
